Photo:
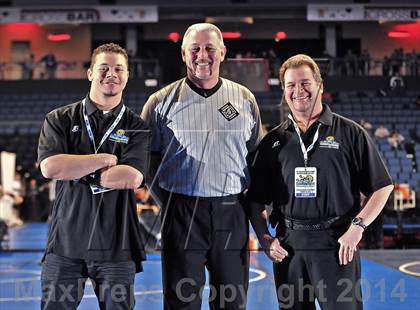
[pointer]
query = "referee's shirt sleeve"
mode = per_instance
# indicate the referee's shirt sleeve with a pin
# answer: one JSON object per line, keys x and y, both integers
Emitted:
{"x": 257, "y": 132}
{"x": 262, "y": 176}
{"x": 372, "y": 174}
{"x": 53, "y": 136}
{"x": 150, "y": 117}
{"x": 137, "y": 152}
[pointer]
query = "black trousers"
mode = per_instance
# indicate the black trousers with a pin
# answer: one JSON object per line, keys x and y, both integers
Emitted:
{"x": 201, "y": 233}
{"x": 312, "y": 271}
{"x": 63, "y": 280}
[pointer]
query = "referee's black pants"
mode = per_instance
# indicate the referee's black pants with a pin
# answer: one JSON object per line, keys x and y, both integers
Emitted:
{"x": 312, "y": 270}
{"x": 201, "y": 233}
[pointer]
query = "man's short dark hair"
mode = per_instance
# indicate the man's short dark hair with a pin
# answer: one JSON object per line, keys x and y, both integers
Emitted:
{"x": 108, "y": 48}
{"x": 296, "y": 62}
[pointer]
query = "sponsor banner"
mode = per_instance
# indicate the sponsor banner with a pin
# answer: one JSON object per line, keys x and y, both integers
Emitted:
{"x": 80, "y": 15}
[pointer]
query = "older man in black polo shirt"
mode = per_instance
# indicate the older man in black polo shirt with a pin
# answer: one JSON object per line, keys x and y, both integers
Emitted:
{"x": 313, "y": 167}
{"x": 98, "y": 150}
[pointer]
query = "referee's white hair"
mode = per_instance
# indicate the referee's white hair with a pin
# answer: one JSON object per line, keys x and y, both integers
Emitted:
{"x": 203, "y": 27}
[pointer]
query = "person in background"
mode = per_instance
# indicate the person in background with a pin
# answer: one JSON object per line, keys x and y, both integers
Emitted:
{"x": 50, "y": 64}
{"x": 396, "y": 140}
{"x": 381, "y": 132}
{"x": 28, "y": 67}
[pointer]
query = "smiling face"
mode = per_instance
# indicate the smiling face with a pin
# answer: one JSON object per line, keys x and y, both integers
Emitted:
{"x": 202, "y": 53}
{"x": 301, "y": 92}
{"x": 108, "y": 76}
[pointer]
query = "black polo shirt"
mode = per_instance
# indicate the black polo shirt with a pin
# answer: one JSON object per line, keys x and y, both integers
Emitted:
{"x": 102, "y": 227}
{"x": 347, "y": 163}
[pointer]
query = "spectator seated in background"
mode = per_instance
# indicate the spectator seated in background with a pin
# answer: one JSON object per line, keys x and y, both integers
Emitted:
{"x": 381, "y": 132}
{"x": 365, "y": 124}
{"x": 395, "y": 140}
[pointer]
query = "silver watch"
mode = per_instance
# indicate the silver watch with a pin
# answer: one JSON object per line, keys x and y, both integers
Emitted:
{"x": 359, "y": 222}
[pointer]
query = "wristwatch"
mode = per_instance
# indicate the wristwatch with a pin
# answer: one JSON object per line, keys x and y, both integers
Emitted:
{"x": 359, "y": 222}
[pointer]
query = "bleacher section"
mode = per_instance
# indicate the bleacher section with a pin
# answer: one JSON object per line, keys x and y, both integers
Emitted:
{"x": 396, "y": 113}
{"x": 21, "y": 117}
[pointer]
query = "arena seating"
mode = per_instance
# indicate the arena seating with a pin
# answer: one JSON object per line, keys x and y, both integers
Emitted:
{"x": 21, "y": 117}
{"x": 396, "y": 113}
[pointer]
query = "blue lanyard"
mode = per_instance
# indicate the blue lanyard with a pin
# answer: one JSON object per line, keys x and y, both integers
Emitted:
{"x": 107, "y": 133}
{"x": 305, "y": 150}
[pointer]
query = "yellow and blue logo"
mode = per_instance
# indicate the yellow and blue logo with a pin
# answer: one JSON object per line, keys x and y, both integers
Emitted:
{"x": 329, "y": 143}
{"x": 119, "y": 136}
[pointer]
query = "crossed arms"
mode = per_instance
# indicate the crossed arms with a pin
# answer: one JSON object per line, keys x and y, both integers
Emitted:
{"x": 112, "y": 175}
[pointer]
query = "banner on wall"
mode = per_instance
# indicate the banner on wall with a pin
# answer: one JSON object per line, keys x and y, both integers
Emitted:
{"x": 335, "y": 12}
{"x": 80, "y": 15}
{"x": 392, "y": 14}
{"x": 360, "y": 12}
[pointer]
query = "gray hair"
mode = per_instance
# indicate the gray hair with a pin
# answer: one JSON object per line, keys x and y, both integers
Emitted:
{"x": 203, "y": 27}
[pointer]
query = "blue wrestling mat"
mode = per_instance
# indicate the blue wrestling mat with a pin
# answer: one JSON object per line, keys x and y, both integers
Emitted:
{"x": 384, "y": 287}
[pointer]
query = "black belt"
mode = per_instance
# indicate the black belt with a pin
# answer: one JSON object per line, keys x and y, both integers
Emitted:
{"x": 232, "y": 197}
{"x": 293, "y": 224}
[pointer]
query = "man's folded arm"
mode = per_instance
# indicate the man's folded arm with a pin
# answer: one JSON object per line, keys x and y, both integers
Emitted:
{"x": 121, "y": 177}
{"x": 70, "y": 167}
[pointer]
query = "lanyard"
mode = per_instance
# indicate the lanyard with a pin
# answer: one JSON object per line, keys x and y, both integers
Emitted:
{"x": 305, "y": 150}
{"x": 107, "y": 133}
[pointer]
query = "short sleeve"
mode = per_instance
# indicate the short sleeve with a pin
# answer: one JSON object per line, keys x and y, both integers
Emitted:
{"x": 137, "y": 152}
{"x": 372, "y": 174}
{"x": 257, "y": 133}
{"x": 53, "y": 136}
{"x": 150, "y": 117}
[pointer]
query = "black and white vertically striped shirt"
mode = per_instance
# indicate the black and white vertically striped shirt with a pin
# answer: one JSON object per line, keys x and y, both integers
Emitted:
{"x": 203, "y": 136}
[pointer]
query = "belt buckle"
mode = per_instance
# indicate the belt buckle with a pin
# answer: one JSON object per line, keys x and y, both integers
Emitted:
{"x": 288, "y": 223}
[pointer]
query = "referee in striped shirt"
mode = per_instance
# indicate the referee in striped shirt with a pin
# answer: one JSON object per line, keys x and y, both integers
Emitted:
{"x": 203, "y": 128}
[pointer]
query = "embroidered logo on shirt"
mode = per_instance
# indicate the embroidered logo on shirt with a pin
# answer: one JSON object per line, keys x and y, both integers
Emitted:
{"x": 228, "y": 111}
{"x": 276, "y": 144}
{"x": 75, "y": 128}
{"x": 329, "y": 143}
{"x": 119, "y": 136}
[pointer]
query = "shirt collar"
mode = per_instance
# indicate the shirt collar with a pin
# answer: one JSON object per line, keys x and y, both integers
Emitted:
{"x": 326, "y": 115}
{"x": 91, "y": 107}
{"x": 325, "y": 118}
{"x": 201, "y": 91}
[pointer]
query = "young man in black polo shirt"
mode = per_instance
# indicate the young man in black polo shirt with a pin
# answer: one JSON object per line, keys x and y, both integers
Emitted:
{"x": 313, "y": 167}
{"x": 97, "y": 150}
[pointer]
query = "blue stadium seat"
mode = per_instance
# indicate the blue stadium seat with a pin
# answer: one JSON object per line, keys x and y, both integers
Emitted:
{"x": 390, "y": 155}
{"x": 413, "y": 184}
{"x": 415, "y": 176}
{"x": 407, "y": 168}
{"x": 394, "y": 169}
{"x": 404, "y": 175}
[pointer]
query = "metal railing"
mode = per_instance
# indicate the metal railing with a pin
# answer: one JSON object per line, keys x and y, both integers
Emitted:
{"x": 139, "y": 68}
